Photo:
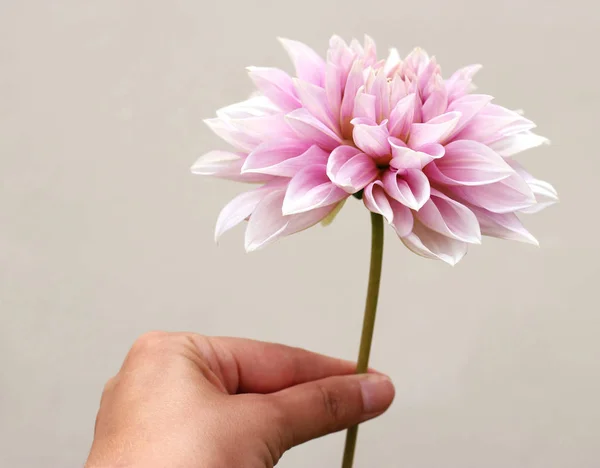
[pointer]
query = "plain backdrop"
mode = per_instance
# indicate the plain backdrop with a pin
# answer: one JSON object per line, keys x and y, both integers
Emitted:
{"x": 105, "y": 234}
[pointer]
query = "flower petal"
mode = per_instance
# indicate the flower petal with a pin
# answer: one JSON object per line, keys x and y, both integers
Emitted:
{"x": 492, "y": 123}
{"x": 314, "y": 99}
{"x": 405, "y": 158}
{"x": 223, "y": 128}
{"x": 256, "y": 106}
{"x": 449, "y": 218}
{"x": 353, "y": 83}
{"x": 333, "y": 87}
{"x": 266, "y": 223}
{"x": 310, "y": 189}
{"x": 381, "y": 90}
{"x": 225, "y": 165}
{"x": 277, "y": 85}
{"x": 468, "y": 106}
{"x": 376, "y": 200}
{"x": 430, "y": 244}
{"x": 402, "y": 116}
{"x": 283, "y": 158}
{"x": 350, "y": 169}
{"x": 371, "y": 138}
{"x": 392, "y": 62}
{"x": 545, "y": 194}
{"x": 300, "y": 222}
{"x": 240, "y": 208}
{"x": 512, "y": 144}
{"x": 331, "y": 216}
{"x": 264, "y": 127}
{"x": 411, "y": 188}
{"x": 364, "y": 107}
{"x": 469, "y": 163}
{"x": 460, "y": 82}
{"x": 309, "y": 65}
{"x": 437, "y": 101}
{"x": 436, "y": 130}
{"x": 403, "y": 219}
{"x": 312, "y": 129}
{"x": 503, "y": 226}
{"x": 506, "y": 196}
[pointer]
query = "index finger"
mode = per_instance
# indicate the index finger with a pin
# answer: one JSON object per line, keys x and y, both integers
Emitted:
{"x": 249, "y": 366}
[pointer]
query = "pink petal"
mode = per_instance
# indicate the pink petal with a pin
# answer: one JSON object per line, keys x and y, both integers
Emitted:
{"x": 392, "y": 62}
{"x": 381, "y": 91}
{"x": 545, "y": 194}
{"x": 340, "y": 55}
{"x": 469, "y": 106}
{"x": 416, "y": 61}
{"x": 398, "y": 91}
{"x": 370, "y": 51}
{"x": 436, "y": 130}
{"x": 241, "y": 207}
{"x": 375, "y": 200}
{"x": 225, "y": 165}
{"x": 266, "y": 223}
{"x": 352, "y": 85}
{"x": 506, "y": 196}
{"x": 277, "y": 85}
{"x": 310, "y": 189}
{"x": 283, "y": 158}
{"x": 372, "y": 139}
{"x": 460, "y": 82}
{"x": 309, "y": 65}
{"x": 402, "y": 116}
{"x": 430, "y": 244}
{"x": 410, "y": 188}
{"x": 312, "y": 129}
{"x": 223, "y": 128}
{"x": 364, "y": 107}
{"x": 437, "y": 101}
{"x": 333, "y": 88}
{"x": 512, "y": 144}
{"x": 492, "y": 123}
{"x": 469, "y": 163}
{"x": 449, "y": 218}
{"x": 350, "y": 169}
{"x": 314, "y": 99}
{"x": 406, "y": 158}
{"x": 264, "y": 127}
{"x": 256, "y": 106}
{"x": 300, "y": 222}
{"x": 429, "y": 78}
{"x": 503, "y": 226}
{"x": 403, "y": 219}
{"x": 403, "y": 157}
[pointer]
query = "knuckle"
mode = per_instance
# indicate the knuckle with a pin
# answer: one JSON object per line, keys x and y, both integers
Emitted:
{"x": 333, "y": 404}
{"x": 108, "y": 386}
{"x": 281, "y": 433}
{"x": 149, "y": 340}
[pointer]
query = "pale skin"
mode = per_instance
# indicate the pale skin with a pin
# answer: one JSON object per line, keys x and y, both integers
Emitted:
{"x": 183, "y": 400}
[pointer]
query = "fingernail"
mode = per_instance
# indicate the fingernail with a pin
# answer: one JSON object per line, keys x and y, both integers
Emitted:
{"x": 377, "y": 392}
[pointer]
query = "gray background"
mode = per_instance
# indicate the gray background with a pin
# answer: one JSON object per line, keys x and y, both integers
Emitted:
{"x": 104, "y": 233}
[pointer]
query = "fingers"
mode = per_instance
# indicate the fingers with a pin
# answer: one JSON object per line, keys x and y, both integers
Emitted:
{"x": 311, "y": 410}
{"x": 267, "y": 367}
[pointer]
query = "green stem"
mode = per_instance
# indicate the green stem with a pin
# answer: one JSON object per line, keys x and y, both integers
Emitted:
{"x": 368, "y": 321}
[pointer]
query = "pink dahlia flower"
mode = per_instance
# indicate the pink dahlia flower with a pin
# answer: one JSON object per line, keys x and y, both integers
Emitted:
{"x": 433, "y": 159}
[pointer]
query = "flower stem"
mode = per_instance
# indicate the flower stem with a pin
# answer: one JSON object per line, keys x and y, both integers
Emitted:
{"x": 368, "y": 321}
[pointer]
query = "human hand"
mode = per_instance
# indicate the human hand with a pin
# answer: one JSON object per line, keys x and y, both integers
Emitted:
{"x": 183, "y": 400}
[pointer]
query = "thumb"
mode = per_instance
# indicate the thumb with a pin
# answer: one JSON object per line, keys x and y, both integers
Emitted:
{"x": 313, "y": 409}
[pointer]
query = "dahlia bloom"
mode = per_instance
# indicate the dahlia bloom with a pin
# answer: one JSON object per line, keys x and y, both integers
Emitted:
{"x": 433, "y": 159}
